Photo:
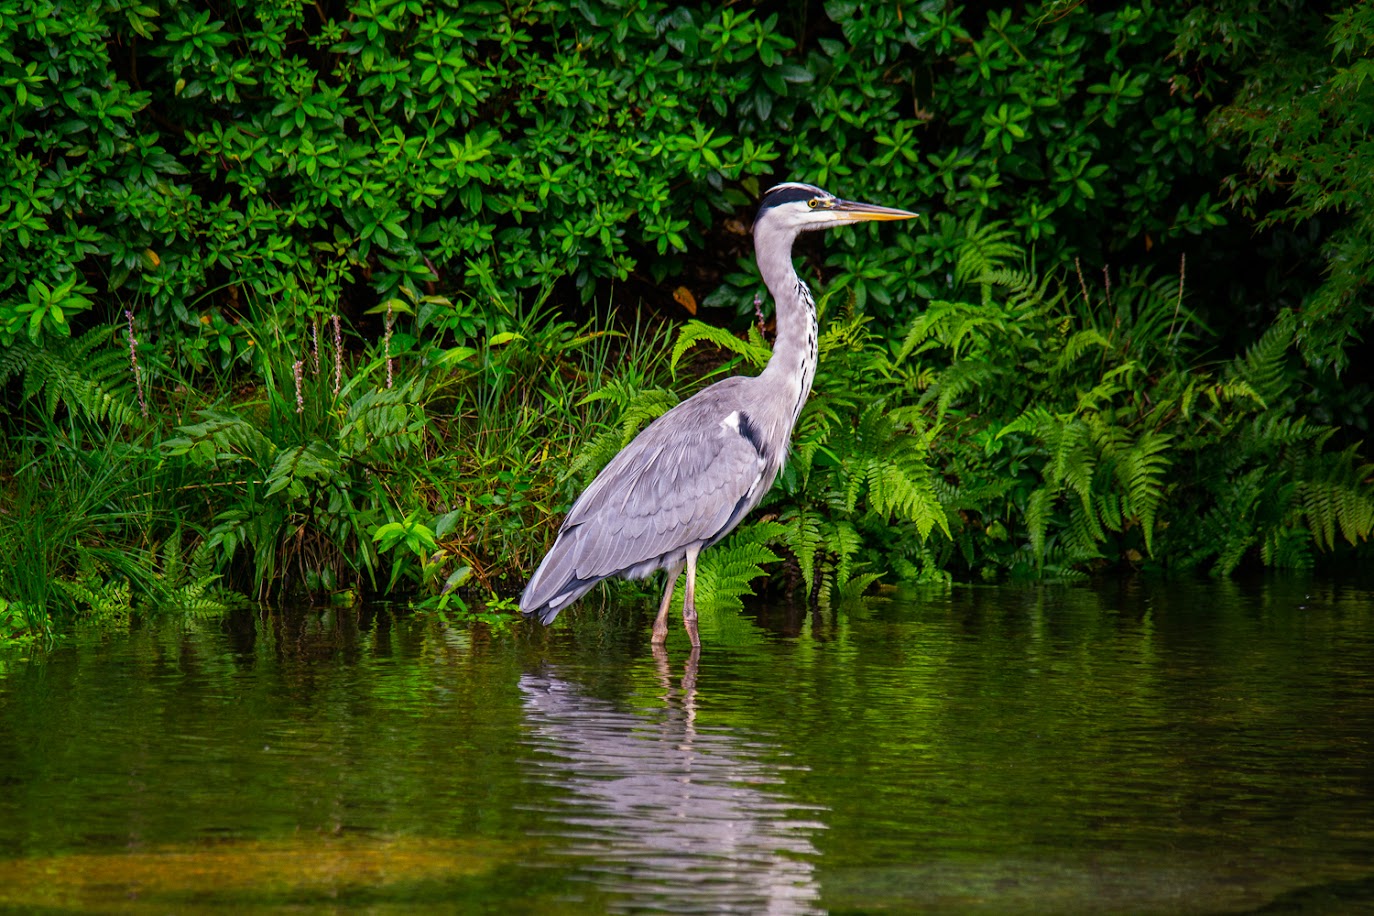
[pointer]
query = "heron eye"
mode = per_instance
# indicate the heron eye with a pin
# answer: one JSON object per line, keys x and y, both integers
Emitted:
{"x": 811, "y": 203}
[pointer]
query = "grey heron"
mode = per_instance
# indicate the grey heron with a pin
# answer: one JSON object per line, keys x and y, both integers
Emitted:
{"x": 692, "y": 474}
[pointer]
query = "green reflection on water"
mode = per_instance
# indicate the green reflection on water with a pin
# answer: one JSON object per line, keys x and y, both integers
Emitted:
{"x": 1181, "y": 748}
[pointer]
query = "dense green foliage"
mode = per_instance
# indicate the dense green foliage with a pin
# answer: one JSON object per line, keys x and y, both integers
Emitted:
{"x": 190, "y": 158}
{"x": 1302, "y": 115}
{"x": 324, "y": 296}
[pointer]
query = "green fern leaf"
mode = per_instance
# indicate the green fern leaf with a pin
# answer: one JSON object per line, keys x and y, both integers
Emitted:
{"x": 1142, "y": 470}
{"x": 984, "y": 249}
{"x": 960, "y": 379}
{"x": 726, "y": 572}
{"x": 802, "y": 537}
{"x": 1287, "y": 547}
{"x": 1336, "y": 493}
{"x": 1039, "y": 506}
{"x": 85, "y": 374}
{"x": 845, "y": 542}
{"x": 855, "y": 587}
{"x": 904, "y": 488}
{"x": 1263, "y": 368}
{"x": 693, "y": 332}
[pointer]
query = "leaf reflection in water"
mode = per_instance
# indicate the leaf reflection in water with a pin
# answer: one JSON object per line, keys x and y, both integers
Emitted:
{"x": 659, "y": 814}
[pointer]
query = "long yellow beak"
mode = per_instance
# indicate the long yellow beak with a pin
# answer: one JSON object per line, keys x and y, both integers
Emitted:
{"x": 851, "y": 211}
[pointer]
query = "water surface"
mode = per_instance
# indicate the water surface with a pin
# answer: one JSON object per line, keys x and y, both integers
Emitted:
{"x": 1196, "y": 748}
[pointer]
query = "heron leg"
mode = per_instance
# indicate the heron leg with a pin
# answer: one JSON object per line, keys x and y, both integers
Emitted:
{"x": 689, "y": 598}
{"x": 661, "y": 621}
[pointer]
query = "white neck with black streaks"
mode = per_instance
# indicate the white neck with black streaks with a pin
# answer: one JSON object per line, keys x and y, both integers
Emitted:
{"x": 793, "y": 364}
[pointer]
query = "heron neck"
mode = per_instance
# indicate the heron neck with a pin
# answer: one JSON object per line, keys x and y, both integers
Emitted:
{"x": 794, "y": 350}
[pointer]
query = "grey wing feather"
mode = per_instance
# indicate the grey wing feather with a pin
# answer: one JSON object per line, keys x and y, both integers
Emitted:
{"x": 686, "y": 479}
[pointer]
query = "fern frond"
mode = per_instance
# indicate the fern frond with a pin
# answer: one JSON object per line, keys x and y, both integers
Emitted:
{"x": 985, "y": 249}
{"x": 1059, "y": 565}
{"x": 1263, "y": 368}
{"x": 726, "y": 572}
{"x": 1229, "y": 529}
{"x": 1141, "y": 470}
{"x": 1111, "y": 509}
{"x": 694, "y": 331}
{"x": 1109, "y": 438}
{"x": 893, "y": 467}
{"x": 903, "y": 486}
{"x": 874, "y": 429}
{"x": 1084, "y": 532}
{"x": 851, "y": 333}
{"x": 651, "y": 404}
{"x": 813, "y": 435}
{"x": 189, "y": 585}
{"x": 955, "y": 326}
{"x": 1035, "y": 421}
{"x": 802, "y": 537}
{"x": 1025, "y": 293}
{"x": 963, "y": 377}
{"x": 100, "y": 597}
{"x": 596, "y": 453}
{"x": 1039, "y": 507}
{"x": 1231, "y": 390}
{"x": 855, "y": 586}
{"x": 1099, "y": 397}
{"x": 1269, "y": 432}
{"x": 1072, "y": 459}
{"x": 14, "y": 358}
{"x": 1336, "y": 493}
{"x": 1196, "y": 382}
{"x": 845, "y": 542}
{"x": 1079, "y": 343}
{"x": 85, "y": 374}
{"x": 1287, "y": 547}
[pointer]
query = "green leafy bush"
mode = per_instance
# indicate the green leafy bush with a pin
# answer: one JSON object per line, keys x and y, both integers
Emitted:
{"x": 192, "y": 157}
{"x": 1049, "y": 428}
{"x": 1302, "y": 113}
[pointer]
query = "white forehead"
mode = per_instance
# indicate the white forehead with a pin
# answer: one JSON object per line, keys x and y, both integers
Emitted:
{"x": 788, "y": 208}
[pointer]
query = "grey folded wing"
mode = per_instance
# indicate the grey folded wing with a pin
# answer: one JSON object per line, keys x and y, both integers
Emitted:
{"x": 686, "y": 479}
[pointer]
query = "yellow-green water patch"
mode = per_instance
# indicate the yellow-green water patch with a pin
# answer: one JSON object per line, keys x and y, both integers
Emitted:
{"x": 297, "y": 871}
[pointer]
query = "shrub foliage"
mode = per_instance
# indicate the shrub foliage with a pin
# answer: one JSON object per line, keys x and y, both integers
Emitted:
{"x": 186, "y": 157}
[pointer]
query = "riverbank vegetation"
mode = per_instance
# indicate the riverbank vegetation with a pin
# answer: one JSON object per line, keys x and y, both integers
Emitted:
{"x": 329, "y": 299}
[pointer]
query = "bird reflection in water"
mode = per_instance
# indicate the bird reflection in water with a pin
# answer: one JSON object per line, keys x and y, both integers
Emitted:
{"x": 661, "y": 815}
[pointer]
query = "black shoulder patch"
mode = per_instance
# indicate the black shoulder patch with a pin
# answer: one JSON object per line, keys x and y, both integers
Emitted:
{"x": 786, "y": 194}
{"x": 752, "y": 434}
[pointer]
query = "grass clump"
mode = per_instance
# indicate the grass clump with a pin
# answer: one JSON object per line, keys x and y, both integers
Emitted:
{"x": 316, "y": 465}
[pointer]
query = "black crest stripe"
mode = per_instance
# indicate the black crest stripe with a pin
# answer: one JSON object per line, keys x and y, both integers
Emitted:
{"x": 787, "y": 195}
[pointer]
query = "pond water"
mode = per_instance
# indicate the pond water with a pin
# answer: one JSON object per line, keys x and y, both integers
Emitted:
{"x": 1194, "y": 748}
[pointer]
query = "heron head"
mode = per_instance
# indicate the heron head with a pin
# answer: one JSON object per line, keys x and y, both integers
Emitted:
{"x": 798, "y": 207}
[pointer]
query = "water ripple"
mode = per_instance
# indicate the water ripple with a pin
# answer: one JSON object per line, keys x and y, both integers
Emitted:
{"x": 658, "y": 813}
